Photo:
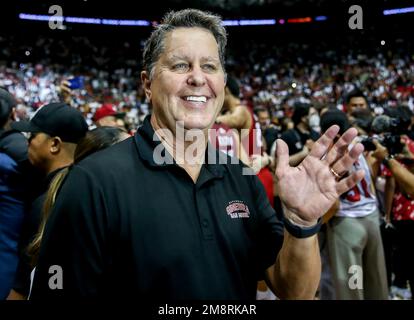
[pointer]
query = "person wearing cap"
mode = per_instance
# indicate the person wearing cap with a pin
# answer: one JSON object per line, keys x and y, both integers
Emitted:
{"x": 54, "y": 132}
{"x": 107, "y": 115}
{"x": 146, "y": 220}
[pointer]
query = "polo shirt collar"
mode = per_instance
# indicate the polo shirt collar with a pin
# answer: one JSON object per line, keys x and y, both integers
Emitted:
{"x": 146, "y": 141}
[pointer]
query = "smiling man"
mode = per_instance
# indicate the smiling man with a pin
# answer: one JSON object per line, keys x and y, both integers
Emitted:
{"x": 125, "y": 225}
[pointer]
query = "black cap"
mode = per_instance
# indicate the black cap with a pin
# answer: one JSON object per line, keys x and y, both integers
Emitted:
{"x": 57, "y": 120}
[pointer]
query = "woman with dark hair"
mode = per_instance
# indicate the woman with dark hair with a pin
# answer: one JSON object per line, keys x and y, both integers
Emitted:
{"x": 95, "y": 140}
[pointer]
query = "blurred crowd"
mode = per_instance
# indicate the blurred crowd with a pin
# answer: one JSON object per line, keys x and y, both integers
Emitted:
{"x": 272, "y": 76}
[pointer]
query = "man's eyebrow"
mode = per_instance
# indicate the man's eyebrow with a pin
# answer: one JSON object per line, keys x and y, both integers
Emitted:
{"x": 178, "y": 57}
{"x": 175, "y": 57}
{"x": 210, "y": 59}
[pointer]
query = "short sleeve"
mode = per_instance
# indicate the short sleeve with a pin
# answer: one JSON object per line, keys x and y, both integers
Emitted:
{"x": 270, "y": 231}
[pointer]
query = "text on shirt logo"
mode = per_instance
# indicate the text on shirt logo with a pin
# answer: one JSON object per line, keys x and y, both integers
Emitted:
{"x": 237, "y": 209}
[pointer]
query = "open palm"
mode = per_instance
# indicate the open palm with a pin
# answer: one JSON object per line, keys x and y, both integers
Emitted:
{"x": 310, "y": 189}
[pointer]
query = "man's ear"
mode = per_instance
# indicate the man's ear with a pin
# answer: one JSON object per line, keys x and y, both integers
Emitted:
{"x": 55, "y": 145}
{"x": 146, "y": 83}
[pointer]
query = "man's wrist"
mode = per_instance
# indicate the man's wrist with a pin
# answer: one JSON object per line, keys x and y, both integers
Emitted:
{"x": 301, "y": 232}
{"x": 298, "y": 227}
{"x": 295, "y": 219}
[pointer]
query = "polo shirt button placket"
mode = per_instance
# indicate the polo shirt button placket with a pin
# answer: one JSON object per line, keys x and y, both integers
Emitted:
{"x": 202, "y": 211}
{"x": 205, "y": 223}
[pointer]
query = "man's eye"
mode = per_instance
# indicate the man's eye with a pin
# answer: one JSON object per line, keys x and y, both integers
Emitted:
{"x": 209, "y": 67}
{"x": 180, "y": 66}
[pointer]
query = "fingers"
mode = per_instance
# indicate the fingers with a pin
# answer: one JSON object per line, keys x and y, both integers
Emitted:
{"x": 65, "y": 87}
{"x": 341, "y": 146}
{"x": 345, "y": 163}
{"x": 380, "y": 153}
{"x": 349, "y": 182}
{"x": 282, "y": 154}
{"x": 321, "y": 146}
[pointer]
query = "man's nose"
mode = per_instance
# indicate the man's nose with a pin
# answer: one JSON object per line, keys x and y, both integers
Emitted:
{"x": 196, "y": 77}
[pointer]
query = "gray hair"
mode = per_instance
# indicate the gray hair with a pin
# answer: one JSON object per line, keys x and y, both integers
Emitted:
{"x": 187, "y": 18}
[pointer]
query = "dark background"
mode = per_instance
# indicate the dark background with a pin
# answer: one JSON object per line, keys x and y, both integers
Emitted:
{"x": 376, "y": 26}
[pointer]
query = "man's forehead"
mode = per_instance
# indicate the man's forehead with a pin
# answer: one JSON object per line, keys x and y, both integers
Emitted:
{"x": 181, "y": 39}
{"x": 357, "y": 100}
{"x": 189, "y": 31}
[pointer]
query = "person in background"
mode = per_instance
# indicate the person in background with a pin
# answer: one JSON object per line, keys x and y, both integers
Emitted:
{"x": 301, "y": 138}
{"x": 353, "y": 233}
{"x": 107, "y": 115}
{"x": 355, "y": 101}
{"x": 269, "y": 131}
{"x": 95, "y": 140}
{"x": 397, "y": 166}
{"x": 14, "y": 187}
{"x": 54, "y": 133}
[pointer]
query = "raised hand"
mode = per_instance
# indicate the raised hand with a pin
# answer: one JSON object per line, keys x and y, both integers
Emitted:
{"x": 310, "y": 189}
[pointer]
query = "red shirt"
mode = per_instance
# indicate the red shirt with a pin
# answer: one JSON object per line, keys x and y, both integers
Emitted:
{"x": 402, "y": 205}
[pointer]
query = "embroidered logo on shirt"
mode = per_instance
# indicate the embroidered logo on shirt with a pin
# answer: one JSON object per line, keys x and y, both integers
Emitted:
{"x": 237, "y": 209}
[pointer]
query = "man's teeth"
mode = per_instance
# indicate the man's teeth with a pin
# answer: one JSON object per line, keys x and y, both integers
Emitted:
{"x": 196, "y": 99}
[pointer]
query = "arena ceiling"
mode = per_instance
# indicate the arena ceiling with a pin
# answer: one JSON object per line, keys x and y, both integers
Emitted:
{"x": 153, "y": 10}
{"x": 229, "y": 8}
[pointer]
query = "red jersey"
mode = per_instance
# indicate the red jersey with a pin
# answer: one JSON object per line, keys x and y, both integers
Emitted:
{"x": 252, "y": 143}
{"x": 222, "y": 138}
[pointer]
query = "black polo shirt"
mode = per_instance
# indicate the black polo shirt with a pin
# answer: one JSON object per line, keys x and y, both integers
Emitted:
{"x": 125, "y": 226}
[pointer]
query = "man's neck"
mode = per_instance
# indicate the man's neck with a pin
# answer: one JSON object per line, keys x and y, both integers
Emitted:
{"x": 58, "y": 165}
{"x": 181, "y": 150}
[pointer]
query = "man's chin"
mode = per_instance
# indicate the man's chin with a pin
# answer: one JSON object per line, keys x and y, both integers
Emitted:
{"x": 200, "y": 123}
{"x": 197, "y": 126}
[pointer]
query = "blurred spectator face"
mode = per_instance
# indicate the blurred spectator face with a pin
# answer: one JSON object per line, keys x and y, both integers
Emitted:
{"x": 109, "y": 121}
{"x": 264, "y": 119}
{"x": 120, "y": 123}
{"x": 314, "y": 119}
{"x": 357, "y": 103}
{"x": 39, "y": 149}
{"x": 188, "y": 80}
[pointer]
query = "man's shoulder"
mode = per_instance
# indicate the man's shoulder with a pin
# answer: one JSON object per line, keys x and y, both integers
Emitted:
{"x": 114, "y": 158}
{"x": 14, "y": 144}
{"x": 7, "y": 164}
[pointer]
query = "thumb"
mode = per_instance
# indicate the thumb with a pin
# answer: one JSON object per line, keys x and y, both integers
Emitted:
{"x": 282, "y": 154}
